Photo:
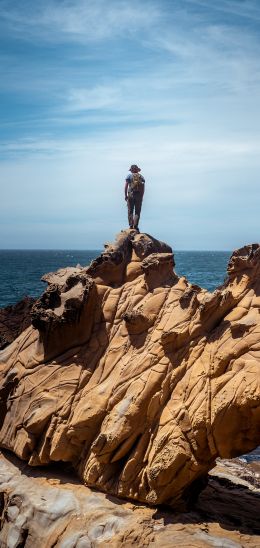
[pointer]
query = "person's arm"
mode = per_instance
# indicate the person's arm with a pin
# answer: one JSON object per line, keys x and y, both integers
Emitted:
{"x": 126, "y": 188}
{"x": 143, "y": 186}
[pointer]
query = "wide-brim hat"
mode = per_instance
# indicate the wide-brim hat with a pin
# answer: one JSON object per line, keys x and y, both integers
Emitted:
{"x": 134, "y": 168}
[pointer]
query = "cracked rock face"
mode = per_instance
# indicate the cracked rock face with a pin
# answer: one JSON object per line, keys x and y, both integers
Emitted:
{"x": 135, "y": 376}
{"x": 44, "y": 508}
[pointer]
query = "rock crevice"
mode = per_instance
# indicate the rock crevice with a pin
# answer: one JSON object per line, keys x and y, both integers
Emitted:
{"x": 133, "y": 375}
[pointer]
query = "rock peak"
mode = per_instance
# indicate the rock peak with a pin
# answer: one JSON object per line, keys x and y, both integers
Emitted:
{"x": 135, "y": 376}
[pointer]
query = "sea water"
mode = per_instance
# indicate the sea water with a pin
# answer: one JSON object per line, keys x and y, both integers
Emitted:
{"x": 21, "y": 271}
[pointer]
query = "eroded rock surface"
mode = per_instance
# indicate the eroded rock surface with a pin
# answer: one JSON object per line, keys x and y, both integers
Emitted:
{"x": 45, "y": 508}
{"x": 14, "y": 319}
{"x": 135, "y": 376}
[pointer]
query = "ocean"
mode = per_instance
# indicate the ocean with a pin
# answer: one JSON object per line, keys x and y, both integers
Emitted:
{"x": 21, "y": 271}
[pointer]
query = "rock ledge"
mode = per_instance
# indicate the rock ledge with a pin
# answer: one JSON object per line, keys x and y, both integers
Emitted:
{"x": 137, "y": 378}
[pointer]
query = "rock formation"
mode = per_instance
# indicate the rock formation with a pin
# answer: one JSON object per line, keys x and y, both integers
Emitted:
{"x": 46, "y": 508}
{"x": 133, "y": 375}
{"x": 14, "y": 319}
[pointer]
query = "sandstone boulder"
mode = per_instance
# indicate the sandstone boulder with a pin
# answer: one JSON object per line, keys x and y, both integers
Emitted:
{"x": 46, "y": 508}
{"x": 133, "y": 375}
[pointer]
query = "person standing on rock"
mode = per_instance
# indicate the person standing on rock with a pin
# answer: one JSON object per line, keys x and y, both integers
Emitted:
{"x": 134, "y": 191}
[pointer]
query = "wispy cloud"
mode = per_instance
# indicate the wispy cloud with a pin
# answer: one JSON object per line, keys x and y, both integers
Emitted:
{"x": 81, "y": 21}
{"x": 91, "y": 86}
{"x": 67, "y": 188}
{"x": 98, "y": 97}
{"x": 247, "y": 9}
{"x": 157, "y": 148}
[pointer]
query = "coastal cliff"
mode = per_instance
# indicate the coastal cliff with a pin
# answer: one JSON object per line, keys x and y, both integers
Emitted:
{"x": 135, "y": 377}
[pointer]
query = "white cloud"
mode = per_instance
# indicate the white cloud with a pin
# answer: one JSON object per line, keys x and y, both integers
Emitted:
{"x": 159, "y": 141}
{"x": 98, "y": 97}
{"x": 81, "y": 21}
{"x": 247, "y": 9}
{"x": 195, "y": 197}
{"x": 187, "y": 103}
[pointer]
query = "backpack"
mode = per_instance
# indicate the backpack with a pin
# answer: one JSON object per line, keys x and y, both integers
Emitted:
{"x": 136, "y": 183}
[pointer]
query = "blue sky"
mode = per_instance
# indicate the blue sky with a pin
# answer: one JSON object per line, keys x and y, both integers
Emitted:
{"x": 89, "y": 87}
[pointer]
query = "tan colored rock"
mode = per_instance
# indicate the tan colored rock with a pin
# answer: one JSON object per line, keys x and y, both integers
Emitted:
{"x": 135, "y": 376}
{"x": 46, "y": 508}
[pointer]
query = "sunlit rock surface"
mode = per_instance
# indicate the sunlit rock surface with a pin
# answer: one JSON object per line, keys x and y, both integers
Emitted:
{"x": 45, "y": 507}
{"x": 135, "y": 376}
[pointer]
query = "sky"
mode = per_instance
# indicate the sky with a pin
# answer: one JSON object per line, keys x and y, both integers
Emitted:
{"x": 89, "y": 87}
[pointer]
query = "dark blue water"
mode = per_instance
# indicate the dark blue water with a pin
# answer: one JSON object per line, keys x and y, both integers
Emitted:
{"x": 251, "y": 457}
{"x": 207, "y": 269}
{"x": 21, "y": 271}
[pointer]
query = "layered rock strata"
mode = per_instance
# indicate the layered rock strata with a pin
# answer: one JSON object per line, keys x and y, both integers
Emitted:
{"x": 133, "y": 375}
{"x": 46, "y": 508}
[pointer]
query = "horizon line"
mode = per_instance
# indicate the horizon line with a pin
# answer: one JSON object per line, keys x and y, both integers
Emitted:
{"x": 101, "y": 250}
